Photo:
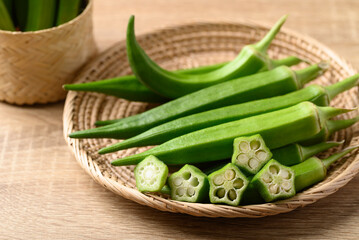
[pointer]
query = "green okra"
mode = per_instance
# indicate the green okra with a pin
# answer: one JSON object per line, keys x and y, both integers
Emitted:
{"x": 128, "y": 87}
{"x": 278, "y": 128}
{"x": 6, "y": 22}
{"x": 295, "y": 153}
{"x": 151, "y": 175}
{"x": 21, "y": 9}
{"x": 67, "y": 10}
{"x": 250, "y": 60}
{"x": 319, "y": 95}
{"x": 250, "y": 153}
{"x": 271, "y": 83}
{"x": 189, "y": 184}
{"x": 227, "y": 185}
{"x": 40, "y": 14}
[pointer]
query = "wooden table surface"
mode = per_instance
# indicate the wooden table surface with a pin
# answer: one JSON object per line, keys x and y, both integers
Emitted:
{"x": 44, "y": 194}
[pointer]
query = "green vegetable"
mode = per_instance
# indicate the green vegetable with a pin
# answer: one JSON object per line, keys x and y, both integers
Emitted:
{"x": 151, "y": 175}
{"x": 227, "y": 185}
{"x": 250, "y": 153}
{"x": 175, "y": 128}
{"x": 166, "y": 190}
{"x": 295, "y": 153}
{"x": 40, "y": 14}
{"x": 274, "y": 181}
{"x": 21, "y": 9}
{"x": 250, "y": 60}
{"x": 275, "y": 82}
{"x": 189, "y": 184}
{"x": 128, "y": 87}
{"x": 278, "y": 128}
{"x": 6, "y": 22}
{"x": 67, "y": 10}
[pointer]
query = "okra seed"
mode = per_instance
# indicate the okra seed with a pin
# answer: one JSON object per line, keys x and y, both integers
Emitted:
{"x": 229, "y": 174}
{"x": 273, "y": 188}
{"x": 186, "y": 175}
{"x": 267, "y": 178}
{"x": 178, "y": 181}
{"x": 244, "y": 146}
{"x": 238, "y": 183}
{"x": 255, "y": 144}
{"x": 152, "y": 181}
{"x": 218, "y": 180}
{"x": 142, "y": 168}
{"x": 242, "y": 158}
{"x": 285, "y": 174}
{"x": 194, "y": 182}
{"x": 190, "y": 191}
{"x": 220, "y": 192}
{"x": 180, "y": 191}
{"x": 286, "y": 186}
{"x": 261, "y": 155}
{"x": 253, "y": 163}
{"x": 273, "y": 169}
{"x": 231, "y": 195}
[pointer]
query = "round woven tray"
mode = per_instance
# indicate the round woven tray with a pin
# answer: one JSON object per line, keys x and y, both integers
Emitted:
{"x": 189, "y": 46}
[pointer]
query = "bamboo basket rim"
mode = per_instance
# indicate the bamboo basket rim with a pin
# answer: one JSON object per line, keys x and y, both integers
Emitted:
{"x": 54, "y": 28}
{"x": 199, "y": 209}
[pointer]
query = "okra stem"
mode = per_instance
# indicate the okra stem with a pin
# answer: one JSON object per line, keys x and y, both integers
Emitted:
{"x": 264, "y": 43}
{"x": 341, "y": 86}
{"x": 336, "y": 125}
{"x": 305, "y": 75}
{"x": 333, "y": 158}
{"x": 309, "y": 151}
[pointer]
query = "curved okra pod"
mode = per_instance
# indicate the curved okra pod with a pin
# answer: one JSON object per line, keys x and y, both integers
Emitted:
{"x": 40, "y": 15}
{"x": 295, "y": 153}
{"x": 151, "y": 175}
{"x": 189, "y": 184}
{"x": 175, "y": 128}
{"x": 6, "y": 22}
{"x": 250, "y": 153}
{"x": 227, "y": 185}
{"x": 275, "y": 82}
{"x": 128, "y": 87}
{"x": 278, "y": 128}
{"x": 250, "y": 60}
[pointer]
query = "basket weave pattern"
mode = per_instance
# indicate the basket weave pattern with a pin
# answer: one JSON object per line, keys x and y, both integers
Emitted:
{"x": 35, "y": 65}
{"x": 189, "y": 46}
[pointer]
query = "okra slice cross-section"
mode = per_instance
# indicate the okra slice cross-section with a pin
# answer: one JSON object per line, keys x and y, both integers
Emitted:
{"x": 275, "y": 181}
{"x": 250, "y": 153}
{"x": 189, "y": 184}
{"x": 227, "y": 185}
{"x": 151, "y": 174}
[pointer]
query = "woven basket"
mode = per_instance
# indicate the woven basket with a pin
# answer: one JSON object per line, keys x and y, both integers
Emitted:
{"x": 35, "y": 65}
{"x": 190, "y": 46}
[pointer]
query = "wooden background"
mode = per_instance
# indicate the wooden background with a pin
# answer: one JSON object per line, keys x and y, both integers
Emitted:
{"x": 44, "y": 194}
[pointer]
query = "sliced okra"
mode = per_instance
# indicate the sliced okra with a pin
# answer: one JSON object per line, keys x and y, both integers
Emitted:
{"x": 151, "y": 174}
{"x": 275, "y": 181}
{"x": 189, "y": 184}
{"x": 227, "y": 185}
{"x": 250, "y": 153}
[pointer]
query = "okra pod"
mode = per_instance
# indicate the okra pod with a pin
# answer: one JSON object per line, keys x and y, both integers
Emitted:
{"x": 250, "y": 60}
{"x": 250, "y": 153}
{"x": 189, "y": 184}
{"x": 275, "y": 82}
{"x": 6, "y": 22}
{"x": 295, "y": 153}
{"x": 21, "y": 9}
{"x": 151, "y": 175}
{"x": 227, "y": 185}
{"x": 319, "y": 95}
{"x": 128, "y": 87}
{"x": 67, "y": 10}
{"x": 278, "y": 128}
{"x": 40, "y": 15}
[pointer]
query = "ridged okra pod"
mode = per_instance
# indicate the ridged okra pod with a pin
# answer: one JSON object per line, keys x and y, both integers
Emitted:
{"x": 278, "y": 128}
{"x": 250, "y": 60}
{"x": 6, "y": 22}
{"x": 67, "y": 10}
{"x": 128, "y": 87}
{"x": 275, "y": 82}
{"x": 319, "y": 95}
{"x": 227, "y": 185}
{"x": 189, "y": 184}
{"x": 40, "y": 15}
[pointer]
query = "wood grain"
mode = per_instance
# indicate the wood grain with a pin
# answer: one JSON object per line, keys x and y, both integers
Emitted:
{"x": 44, "y": 194}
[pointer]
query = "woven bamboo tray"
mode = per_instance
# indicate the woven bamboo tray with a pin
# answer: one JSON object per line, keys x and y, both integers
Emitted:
{"x": 189, "y": 46}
